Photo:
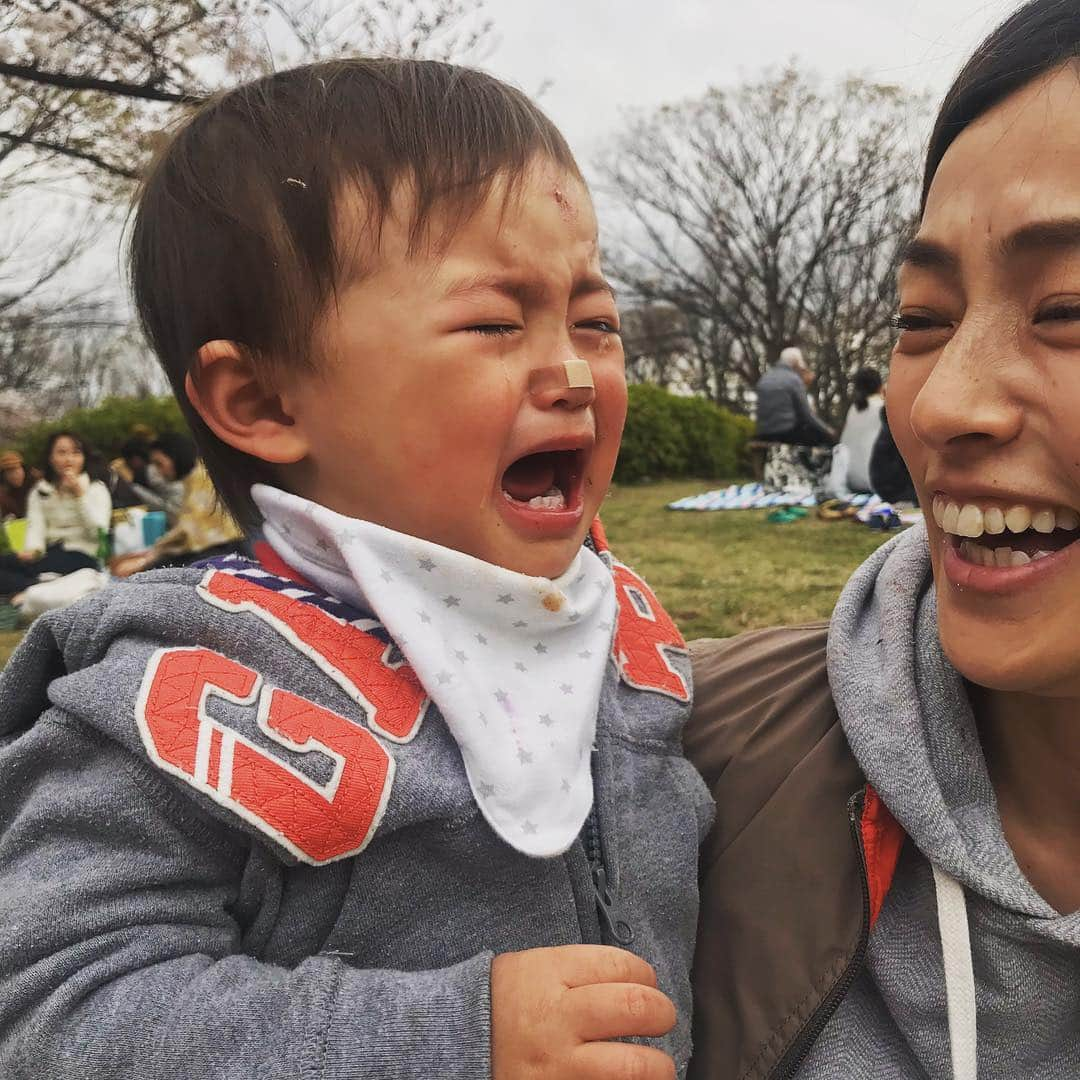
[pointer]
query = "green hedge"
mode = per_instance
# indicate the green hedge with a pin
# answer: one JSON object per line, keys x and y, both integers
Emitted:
{"x": 106, "y": 426}
{"x": 666, "y": 435}
{"x": 669, "y": 436}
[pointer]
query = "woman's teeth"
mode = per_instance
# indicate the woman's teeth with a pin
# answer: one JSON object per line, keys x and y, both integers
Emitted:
{"x": 552, "y": 499}
{"x": 1000, "y": 557}
{"x": 972, "y": 521}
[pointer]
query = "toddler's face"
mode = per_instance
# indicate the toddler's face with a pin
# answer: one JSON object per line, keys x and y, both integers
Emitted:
{"x": 441, "y": 408}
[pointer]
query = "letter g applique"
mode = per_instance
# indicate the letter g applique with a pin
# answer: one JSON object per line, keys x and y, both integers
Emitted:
{"x": 316, "y": 822}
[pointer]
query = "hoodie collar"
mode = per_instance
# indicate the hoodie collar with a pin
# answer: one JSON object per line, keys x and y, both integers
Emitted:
{"x": 907, "y": 716}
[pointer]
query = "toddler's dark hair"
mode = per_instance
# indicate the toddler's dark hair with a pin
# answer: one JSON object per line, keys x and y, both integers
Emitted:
{"x": 235, "y": 234}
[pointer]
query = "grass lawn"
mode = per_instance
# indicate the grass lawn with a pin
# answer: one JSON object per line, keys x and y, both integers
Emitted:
{"x": 720, "y": 573}
{"x": 8, "y": 640}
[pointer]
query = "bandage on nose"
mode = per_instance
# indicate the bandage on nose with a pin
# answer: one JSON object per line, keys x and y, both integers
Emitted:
{"x": 569, "y": 379}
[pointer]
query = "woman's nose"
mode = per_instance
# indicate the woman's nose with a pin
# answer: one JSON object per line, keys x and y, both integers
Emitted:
{"x": 966, "y": 401}
{"x": 567, "y": 384}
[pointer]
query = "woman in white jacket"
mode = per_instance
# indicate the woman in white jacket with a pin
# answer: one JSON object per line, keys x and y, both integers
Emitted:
{"x": 66, "y": 513}
{"x": 862, "y": 426}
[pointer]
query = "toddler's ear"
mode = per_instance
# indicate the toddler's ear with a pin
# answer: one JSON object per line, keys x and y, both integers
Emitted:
{"x": 239, "y": 408}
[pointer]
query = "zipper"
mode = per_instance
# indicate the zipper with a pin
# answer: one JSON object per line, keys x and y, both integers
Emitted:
{"x": 791, "y": 1062}
{"x": 615, "y": 927}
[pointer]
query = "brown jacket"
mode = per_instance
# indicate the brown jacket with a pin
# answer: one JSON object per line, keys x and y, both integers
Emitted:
{"x": 796, "y": 868}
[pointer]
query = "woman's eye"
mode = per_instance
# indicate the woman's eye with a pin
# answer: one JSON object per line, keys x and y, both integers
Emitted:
{"x": 1059, "y": 313}
{"x": 905, "y": 321}
{"x": 492, "y": 329}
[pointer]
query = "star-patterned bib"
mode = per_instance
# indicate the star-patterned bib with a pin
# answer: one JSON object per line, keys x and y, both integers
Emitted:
{"x": 514, "y": 663}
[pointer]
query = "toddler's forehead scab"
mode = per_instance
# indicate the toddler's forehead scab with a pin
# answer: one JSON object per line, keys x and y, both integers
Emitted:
{"x": 566, "y": 205}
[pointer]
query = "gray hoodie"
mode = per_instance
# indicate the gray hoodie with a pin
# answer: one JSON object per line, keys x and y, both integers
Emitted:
{"x": 158, "y": 922}
{"x": 906, "y": 714}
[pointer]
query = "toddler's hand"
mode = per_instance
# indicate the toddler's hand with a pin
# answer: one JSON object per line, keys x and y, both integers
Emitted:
{"x": 554, "y": 1012}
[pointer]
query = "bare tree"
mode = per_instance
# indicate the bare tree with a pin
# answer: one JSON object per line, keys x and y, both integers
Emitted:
{"x": 86, "y": 83}
{"x": 40, "y": 303}
{"x": 755, "y": 211}
{"x": 86, "y": 88}
{"x": 658, "y": 346}
{"x": 847, "y": 323}
{"x": 91, "y": 83}
{"x": 428, "y": 29}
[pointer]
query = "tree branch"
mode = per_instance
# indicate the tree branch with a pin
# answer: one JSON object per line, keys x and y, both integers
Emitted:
{"x": 116, "y": 87}
{"x": 13, "y": 138}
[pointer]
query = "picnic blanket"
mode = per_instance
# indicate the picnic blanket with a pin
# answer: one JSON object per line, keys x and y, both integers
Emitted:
{"x": 868, "y": 509}
{"x": 753, "y": 496}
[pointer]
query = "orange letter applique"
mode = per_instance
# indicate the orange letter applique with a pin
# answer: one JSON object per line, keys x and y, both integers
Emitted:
{"x": 358, "y": 662}
{"x": 645, "y": 637}
{"x": 317, "y": 823}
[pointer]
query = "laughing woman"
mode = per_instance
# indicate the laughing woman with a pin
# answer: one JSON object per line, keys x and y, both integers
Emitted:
{"x": 893, "y": 885}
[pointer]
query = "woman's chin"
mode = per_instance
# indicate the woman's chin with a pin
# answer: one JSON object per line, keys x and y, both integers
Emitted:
{"x": 1023, "y": 656}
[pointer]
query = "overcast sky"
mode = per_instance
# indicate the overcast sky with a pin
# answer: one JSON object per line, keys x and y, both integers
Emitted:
{"x": 603, "y": 56}
{"x": 595, "y": 59}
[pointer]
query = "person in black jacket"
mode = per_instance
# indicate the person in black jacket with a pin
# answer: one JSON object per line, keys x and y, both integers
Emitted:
{"x": 889, "y": 476}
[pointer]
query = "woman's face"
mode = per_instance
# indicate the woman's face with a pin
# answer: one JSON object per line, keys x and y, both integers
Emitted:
{"x": 163, "y": 463}
{"x": 984, "y": 390}
{"x": 66, "y": 457}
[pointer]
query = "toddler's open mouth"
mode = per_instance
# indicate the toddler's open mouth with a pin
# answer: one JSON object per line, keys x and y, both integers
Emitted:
{"x": 547, "y": 480}
{"x": 543, "y": 490}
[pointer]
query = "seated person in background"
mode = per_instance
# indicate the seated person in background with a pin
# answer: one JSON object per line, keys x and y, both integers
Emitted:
{"x": 172, "y": 459}
{"x": 154, "y": 489}
{"x": 66, "y": 515}
{"x": 783, "y": 409}
{"x": 203, "y": 526}
{"x": 128, "y": 479}
{"x": 889, "y": 476}
{"x": 862, "y": 426}
{"x": 16, "y": 483}
{"x": 133, "y": 461}
{"x": 122, "y": 494}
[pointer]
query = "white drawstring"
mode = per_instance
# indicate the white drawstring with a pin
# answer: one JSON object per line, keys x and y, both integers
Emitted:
{"x": 959, "y": 974}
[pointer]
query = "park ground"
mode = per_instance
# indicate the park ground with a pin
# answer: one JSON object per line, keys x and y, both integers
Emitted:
{"x": 721, "y": 573}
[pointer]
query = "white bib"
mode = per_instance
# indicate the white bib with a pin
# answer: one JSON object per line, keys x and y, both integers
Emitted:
{"x": 514, "y": 663}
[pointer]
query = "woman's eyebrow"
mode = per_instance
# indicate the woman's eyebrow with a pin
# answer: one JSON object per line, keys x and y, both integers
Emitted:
{"x": 1036, "y": 236}
{"x": 1058, "y": 233}
{"x": 929, "y": 255}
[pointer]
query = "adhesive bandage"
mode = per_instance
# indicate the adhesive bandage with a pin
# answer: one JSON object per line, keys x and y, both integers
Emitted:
{"x": 578, "y": 374}
{"x": 570, "y": 379}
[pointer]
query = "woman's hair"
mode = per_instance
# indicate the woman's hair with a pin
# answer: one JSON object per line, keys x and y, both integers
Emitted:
{"x": 1036, "y": 39}
{"x": 865, "y": 382}
{"x": 180, "y": 449}
{"x": 241, "y": 230}
{"x": 135, "y": 447}
{"x": 54, "y": 438}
